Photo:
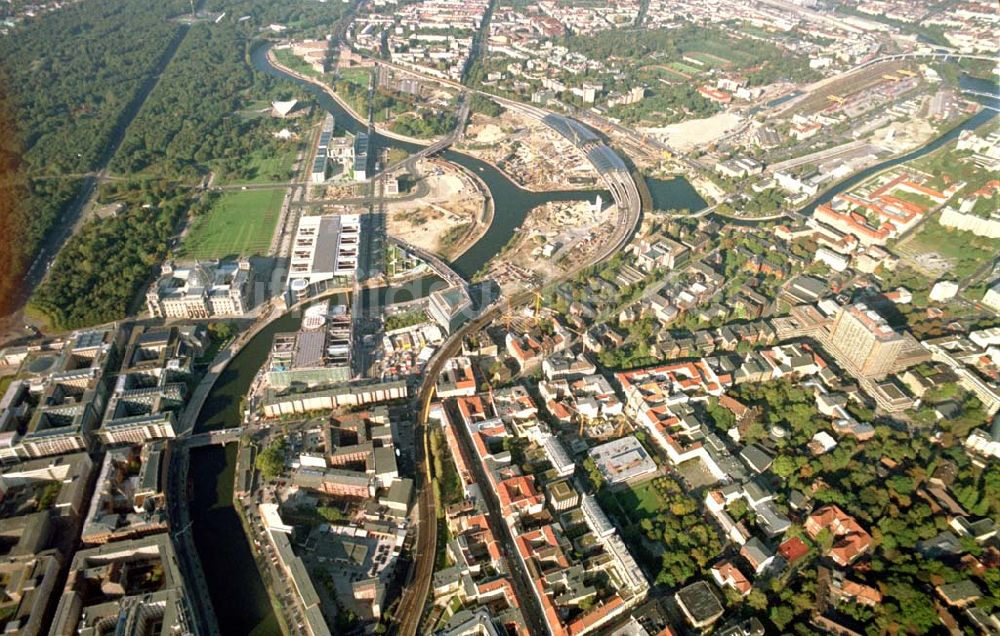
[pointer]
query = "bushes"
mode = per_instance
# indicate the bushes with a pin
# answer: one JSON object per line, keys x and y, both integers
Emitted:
{"x": 425, "y": 123}
{"x": 485, "y": 106}
{"x": 271, "y": 461}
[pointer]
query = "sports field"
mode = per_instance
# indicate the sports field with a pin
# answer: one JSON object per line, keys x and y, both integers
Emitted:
{"x": 709, "y": 60}
{"x": 240, "y": 223}
{"x": 684, "y": 68}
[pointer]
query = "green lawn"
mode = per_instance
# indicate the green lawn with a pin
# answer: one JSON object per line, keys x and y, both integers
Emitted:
{"x": 239, "y": 224}
{"x": 296, "y": 63}
{"x": 685, "y": 68}
{"x": 268, "y": 167}
{"x": 926, "y": 203}
{"x": 637, "y": 503}
{"x": 357, "y": 76}
{"x": 709, "y": 60}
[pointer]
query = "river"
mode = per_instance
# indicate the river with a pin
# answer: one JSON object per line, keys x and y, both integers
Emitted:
{"x": 674, "y": 194}
{"x": 511, "y": 202}
{"x": 234, "y": 583}
{"x": 238, "y": 593}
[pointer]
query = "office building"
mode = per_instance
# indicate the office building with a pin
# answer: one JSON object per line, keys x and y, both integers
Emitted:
{"x": 128, "y": 501}
{"x": 318, "y": 355}
{"x": 623, "y": 460}
{"x": 325, "y": 249}
{"x": 56, "y": 407}
{"x": 450, "y": 307}
{"x": 135, "y": 585}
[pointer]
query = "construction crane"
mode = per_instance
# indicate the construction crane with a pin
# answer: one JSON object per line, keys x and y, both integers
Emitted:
{"x": 890, "y": 77}
{"x": 538, "y": 307}
{"x": 620, "y": 430}
{"x": 906, "y": 73}
{"x": 836, "y": 98}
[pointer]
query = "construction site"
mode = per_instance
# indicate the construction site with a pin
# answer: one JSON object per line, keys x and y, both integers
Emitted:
{"x": 530, "y": 153}
{"x": 447, "y": 215}
{"x": 554, "y": 237}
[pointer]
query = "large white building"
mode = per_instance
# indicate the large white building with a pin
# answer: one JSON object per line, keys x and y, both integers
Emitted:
{"x": 992, "y": 297}
{"x": 201, "y": 289}
{"x": 623, "y": 460}
{"x": 325, "y": 248}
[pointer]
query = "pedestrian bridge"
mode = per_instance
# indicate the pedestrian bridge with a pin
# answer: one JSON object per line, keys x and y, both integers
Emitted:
{"x": 443, "y": 269}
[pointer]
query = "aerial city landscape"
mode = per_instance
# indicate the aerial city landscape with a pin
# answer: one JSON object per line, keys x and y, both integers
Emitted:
{"x": 500, "y": 317}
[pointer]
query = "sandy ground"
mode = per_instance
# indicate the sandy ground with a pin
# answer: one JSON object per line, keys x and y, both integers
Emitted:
{"x": 904, "y": 136}
{"x": 707, "y": 188}
{"x": 487, "y": 134}
{"x": 446, "y": 220}
{"x": 695, "y": 132}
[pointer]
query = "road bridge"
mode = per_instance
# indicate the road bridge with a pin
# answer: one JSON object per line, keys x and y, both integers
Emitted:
{"x": 440, "y": 145}
{"x": 219, "y": 437}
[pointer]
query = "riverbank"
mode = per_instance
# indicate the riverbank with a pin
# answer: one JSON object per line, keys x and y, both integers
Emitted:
{"x": 385, "y": 132}
{"x": 273, "y": 61}
{"x": 482, "y": 224}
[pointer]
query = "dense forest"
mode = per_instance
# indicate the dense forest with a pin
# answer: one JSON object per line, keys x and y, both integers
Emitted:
{"x": 102, "y": 268}
{"x": 78, "y": 75}
{"x": 306, "y": 19}
{"x": 70, "y": 80}
{"x": 189, "y": 122}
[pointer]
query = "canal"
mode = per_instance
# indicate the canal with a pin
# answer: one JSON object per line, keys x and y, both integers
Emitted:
{"x": 971, "y": 123}
{"x": 234, "y": 584}
{"x": 989, "y": 111}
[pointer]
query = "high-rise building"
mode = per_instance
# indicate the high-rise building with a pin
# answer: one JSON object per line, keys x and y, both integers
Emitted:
{"x": 863, "y": 339}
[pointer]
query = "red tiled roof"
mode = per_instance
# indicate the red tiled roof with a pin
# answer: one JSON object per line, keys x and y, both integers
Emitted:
{"x": 793, "y": 549}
